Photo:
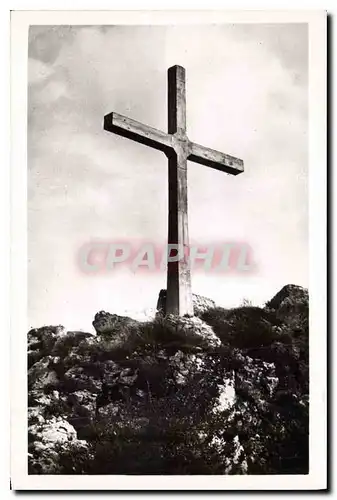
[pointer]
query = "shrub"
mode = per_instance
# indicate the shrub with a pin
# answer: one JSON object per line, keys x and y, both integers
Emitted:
{"x": 243, "y": 327}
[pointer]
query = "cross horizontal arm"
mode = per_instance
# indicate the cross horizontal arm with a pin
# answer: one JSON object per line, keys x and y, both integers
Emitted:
{"x": 215, "y": 159}
{"x": 126, "y": 127}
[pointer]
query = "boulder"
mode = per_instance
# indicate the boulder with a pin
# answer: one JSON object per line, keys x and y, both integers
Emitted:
{"x": 200, "y": 303}
{"x": 40, "y": 375}
{"x": 41, "y": 341}
{"x": 193, "y": 329}
{"x": 78, "y": 378}
{"x": 46, "y": 440}
{"x": 291, "y": 305}
{"x": 54, "y": 430}
{"x": 117, "y": 329}
{"x": 289, "y": 293}
{"x": 65, "y": 343}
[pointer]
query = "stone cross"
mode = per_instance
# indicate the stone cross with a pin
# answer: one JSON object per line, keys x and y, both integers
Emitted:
{"x": 178, "y": 149}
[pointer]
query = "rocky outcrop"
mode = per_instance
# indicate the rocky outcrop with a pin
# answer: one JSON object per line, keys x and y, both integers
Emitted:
{"x": 106, "y": 323}
{"x": 45, "y": 441}
{"x": 117, "y": 329}
{"x": 41, "y": 340}
{"x": 76, "y": 378}
{"x": 170, "y": 395}
{"x": 200, "y": 304}
{"x": 194, "y": 330}
{"x": 291, "y": 305}
{"x": 289, "y": 294}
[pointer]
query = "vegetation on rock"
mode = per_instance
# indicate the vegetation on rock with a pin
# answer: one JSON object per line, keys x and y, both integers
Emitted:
{"x": 225, "y": 392}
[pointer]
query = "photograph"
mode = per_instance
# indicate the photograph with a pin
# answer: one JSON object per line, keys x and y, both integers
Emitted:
{"x": 170, "y": 314}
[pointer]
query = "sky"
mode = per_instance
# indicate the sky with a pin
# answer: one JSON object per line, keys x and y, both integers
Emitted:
{"x": 247, "y": 96}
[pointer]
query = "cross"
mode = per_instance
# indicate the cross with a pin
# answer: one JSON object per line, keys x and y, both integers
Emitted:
{"x": 178, "y": 149}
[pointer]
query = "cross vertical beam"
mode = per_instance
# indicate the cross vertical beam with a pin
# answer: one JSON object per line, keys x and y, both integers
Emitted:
{"x": 176, "y": 101}
{"x": 179, "y": 290}
{"x": 178, "y": 149}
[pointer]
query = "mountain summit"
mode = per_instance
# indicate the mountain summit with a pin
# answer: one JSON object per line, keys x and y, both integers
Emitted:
{"x": 223, "y": 392}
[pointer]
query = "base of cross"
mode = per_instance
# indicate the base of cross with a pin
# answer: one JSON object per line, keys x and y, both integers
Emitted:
{"x": 200, "y": 303}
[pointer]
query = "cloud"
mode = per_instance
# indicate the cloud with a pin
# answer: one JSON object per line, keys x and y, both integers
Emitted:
{"x": 38, "y": 71}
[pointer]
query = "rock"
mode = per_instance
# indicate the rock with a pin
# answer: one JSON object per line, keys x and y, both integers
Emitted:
{"x": 117, "y": 329}
{"x": 77, "y": 378}
{"x": 184, "y": 364}
{"x": 291, "y": 305}
{"x": 47, "y": 439}
{"x": 44, "y": 336}
{"x": 40, "y": 375}
{"x": 37, "y": 397}
{"x": 68, "y": 341}
{"x": 108, "y": 410}
{"x": 194, "y": 330}
{"x": 289, "y": 293}
{"x": 35, "y": 415}
{"x": 150, "y": 377}
{"x": 200, "y": 303}
{"x": 54, "y": 430}
{"x": 41, "y": 340}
